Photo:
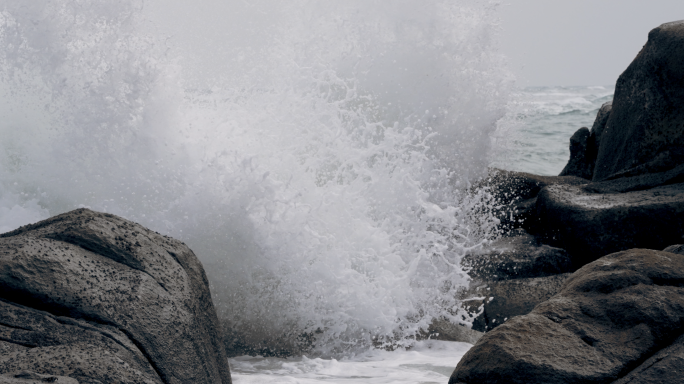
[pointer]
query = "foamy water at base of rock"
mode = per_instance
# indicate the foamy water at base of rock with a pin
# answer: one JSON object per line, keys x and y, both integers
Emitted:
{"x": 430, "y": 361}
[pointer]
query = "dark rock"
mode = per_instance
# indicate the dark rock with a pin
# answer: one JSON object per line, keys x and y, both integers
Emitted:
{"x": 515, "y": 193}
{"x": 504, "y": 300}
{"x": 590, "y": 225}
{"x": 27, "y": 377}
{"x": 514, "y": 257}
{"x": 38, "y": 341}
{"x": 581, "y": 163}
{"x": 608, "y": 320}
{"x": 638, "y": 183}
{"x": 678, "y": 248}
{"x": 598, "y": 127}
{"x": 645, "y": 130}
{"x": 666, "y": 366}
{"x": 497, "y": 296}
{"x": 509, "y": 186}
{"x": 443, "y": 329}
{"x": 584, "y": 145}
{"x": 110, "y": 276}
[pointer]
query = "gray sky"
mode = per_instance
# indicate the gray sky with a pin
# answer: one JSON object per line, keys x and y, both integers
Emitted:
{"x": 578, "y": 42}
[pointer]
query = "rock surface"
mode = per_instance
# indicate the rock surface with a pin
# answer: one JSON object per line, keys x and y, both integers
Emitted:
{"x": 27, "y": 377}
{"x": 92, "y": 296}
{"x": 443, "y": 329}
{"x": 516, "y": 193}
{"x": 597, "y": 129}
{"x": 645, "y": 130}
{"x": 590, "y": 225}
{"x": 666, "y": 366}
{"x": 515, "y": 257}
{"x": 581, "y": 163}
{"x": 38, "y": 341}
{"x": 510, "y": 277}
{"x": 614, "y": 319}
{"x": 503, "y": 300}
{"x": 584, "y": 146}
{"x": 639, "y": 182}
{"x": 677, "y": 248}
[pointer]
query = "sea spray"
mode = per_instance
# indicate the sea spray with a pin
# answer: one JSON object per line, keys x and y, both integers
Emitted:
{"x": 315, "y": 155}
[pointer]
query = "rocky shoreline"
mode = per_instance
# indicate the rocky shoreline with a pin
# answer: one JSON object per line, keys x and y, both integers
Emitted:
{"x": 614, "y": 311}
{"x": 587, "y": 287}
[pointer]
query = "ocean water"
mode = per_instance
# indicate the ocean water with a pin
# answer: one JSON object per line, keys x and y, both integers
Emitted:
{"x": 544, "y": 119}
{"x": 316, "y": 155}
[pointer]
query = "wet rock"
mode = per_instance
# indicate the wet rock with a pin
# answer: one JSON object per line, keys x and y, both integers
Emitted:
{"x": 511, "y": 276}
{"x": 504, "y": 300}
{"x": 638, "y": 183}
{"x": 644, "y": 132}
{"x": 516, "y": 192}
{"x": 613, "y": 318}
{"x": 514, "y": 257}
{"x": 27, "y": 377}
{"x": 581, "y": 163}
{"x": 677, "y": 248}
{"x": 145, "y": 296}
{"x": 584, "y": 145}
{"x": 443, "y": 329}
{"x": 590, "y": 225}
{"x": 598, "y": 127}
{"x": 508, "y": 186}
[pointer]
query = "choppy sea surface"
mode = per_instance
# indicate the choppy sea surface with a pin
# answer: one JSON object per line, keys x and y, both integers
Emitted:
{"x": 545, "y": 118}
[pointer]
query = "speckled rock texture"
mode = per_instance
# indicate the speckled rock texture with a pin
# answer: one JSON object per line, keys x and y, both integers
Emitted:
{"x": 645, "y": 130}
{"x": 590, "y": 225}
{"x": 619, "y": 319}
{"x": 97, "y": 298}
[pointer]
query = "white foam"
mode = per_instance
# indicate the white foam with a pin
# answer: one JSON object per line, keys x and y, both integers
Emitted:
{"x": 427, "y": 362}
{"x": 314, "y": 154}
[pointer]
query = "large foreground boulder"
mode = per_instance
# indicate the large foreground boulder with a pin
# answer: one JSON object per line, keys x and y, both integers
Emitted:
{"x": 99, "y": 299}
{"x": 645, "y": 130}
{"x": 619, "y": 319}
